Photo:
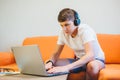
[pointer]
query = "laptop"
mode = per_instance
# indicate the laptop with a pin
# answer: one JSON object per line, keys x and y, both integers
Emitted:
{"x": 29, "y": 60}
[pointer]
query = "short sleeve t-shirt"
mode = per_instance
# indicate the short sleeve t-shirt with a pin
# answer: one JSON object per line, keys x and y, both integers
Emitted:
{"x": 85, "y": 34}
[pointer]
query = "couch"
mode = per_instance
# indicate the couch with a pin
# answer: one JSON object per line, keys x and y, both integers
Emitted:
{"x": 110, "y": 44}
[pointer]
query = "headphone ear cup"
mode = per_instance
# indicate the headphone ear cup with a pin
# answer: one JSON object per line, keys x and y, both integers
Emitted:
{"x": 76, "y": 22}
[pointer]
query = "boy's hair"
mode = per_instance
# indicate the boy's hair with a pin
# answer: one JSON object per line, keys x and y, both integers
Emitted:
{"x": 66, "y": 14}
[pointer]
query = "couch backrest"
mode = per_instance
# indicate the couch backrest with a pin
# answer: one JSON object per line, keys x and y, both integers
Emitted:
{"x": 110, "y": 44}
{"x": 47, "y": 45}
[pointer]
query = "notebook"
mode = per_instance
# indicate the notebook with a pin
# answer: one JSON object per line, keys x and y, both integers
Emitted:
{"x": 8, "y": 71}
{"x": 29, "y": 60}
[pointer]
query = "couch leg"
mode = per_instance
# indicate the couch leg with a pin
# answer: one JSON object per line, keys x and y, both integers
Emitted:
{"x": 76, "y": 76}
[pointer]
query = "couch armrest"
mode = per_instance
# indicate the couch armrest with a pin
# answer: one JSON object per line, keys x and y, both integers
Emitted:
{"x": 6, "y": 58}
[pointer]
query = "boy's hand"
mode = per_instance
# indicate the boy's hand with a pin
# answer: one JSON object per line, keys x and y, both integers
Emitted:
{"x": 48, "y": 66}
{"x": 60, "y": 69}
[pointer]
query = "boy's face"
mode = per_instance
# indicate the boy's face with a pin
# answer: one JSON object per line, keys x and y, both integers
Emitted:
{"x": 68, "y": 26}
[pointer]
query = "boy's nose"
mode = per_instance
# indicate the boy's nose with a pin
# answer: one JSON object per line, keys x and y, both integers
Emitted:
{"x": 64, "y": 28}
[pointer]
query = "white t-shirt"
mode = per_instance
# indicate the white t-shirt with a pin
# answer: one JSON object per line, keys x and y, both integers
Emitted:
{"x": 85, "y": 34}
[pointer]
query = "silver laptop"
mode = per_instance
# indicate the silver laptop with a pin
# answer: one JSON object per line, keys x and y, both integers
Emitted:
{"x": 29, "y": 60}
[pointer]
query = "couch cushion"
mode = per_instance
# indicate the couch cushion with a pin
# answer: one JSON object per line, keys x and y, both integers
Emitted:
{"x": 111, "y": 72}
{"x": 47, "y": 45}
{"x": 110, "y": 44}
{"x": 6, "y": 58}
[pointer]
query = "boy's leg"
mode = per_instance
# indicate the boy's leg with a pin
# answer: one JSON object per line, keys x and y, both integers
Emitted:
{"x": 62, "y": 62}
{"x": 93, "y": 68}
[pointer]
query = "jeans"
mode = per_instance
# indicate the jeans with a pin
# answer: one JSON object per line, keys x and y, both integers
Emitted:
{"x": 83, "y": 68}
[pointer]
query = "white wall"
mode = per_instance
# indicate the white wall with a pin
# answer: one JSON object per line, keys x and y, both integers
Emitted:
{"x": 26, "y": 18}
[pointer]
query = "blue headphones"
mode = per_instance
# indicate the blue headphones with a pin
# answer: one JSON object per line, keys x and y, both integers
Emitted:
{"x": 77, "y": 20}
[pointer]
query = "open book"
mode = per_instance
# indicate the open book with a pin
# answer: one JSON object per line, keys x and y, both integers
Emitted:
{"x": 8, "y": 71}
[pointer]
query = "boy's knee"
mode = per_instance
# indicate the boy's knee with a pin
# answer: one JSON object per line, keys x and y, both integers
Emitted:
{"x": 92, "y": 68}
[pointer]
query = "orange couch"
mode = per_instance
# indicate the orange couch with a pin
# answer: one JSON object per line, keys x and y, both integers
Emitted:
{"x": 110, "y": 44}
